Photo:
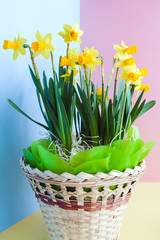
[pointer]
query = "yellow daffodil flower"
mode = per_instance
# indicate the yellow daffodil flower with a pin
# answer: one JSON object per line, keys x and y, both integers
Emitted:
{"x": 99, "y": 94}
{"x": 68, "y": 74}
{"x": 71, "y": 60}
{"x": 142, "y": 87}
{"x": 43, "y": 45}
{"x": 125, "y": 62}
{"x": 89, "y": 58}
{"x": 17, "y": 45}
{"x": 71, "y": 33}
{"x": 132, "y": 74}
{"x": 124, "y": 51}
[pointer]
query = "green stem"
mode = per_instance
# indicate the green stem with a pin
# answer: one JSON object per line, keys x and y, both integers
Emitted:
{"x": 87, "y": 84}
{"x": 52, "y": 60}
{"x": 32, "y": 59}
{"x": 110, "y": 77}
{"x": 90, "y": 75}
{"x": 115, "y": 88}
{"x": 102, "y": 73}
{"x": 67, "y": 53}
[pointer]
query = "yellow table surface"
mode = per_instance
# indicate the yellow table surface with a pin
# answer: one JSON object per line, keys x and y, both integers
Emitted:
{"x": 141, "y": 221}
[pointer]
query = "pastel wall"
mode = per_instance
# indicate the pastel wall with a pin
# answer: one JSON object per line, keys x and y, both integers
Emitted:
{"x": 137, "y": 22}
{"x": 17, "y": 200}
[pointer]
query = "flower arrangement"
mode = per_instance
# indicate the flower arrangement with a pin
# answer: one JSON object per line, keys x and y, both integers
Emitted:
{"x": 103, "y": 126}
{"x": 93, "y": 155}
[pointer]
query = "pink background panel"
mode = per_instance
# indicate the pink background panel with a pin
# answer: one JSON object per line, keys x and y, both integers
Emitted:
{"x": 137, "y": 22}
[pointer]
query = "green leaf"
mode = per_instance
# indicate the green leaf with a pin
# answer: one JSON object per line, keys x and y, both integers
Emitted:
{"x": 146, "y": 107}
{"x": 19, "y": 110}
{"x": 134, "y": 110}
{"x": 80, "y": 108}
{"x": 69, "y": 96}
{"x": 72, "y": 111}
{"x": 43, "y": 113}
{"x": 106, "y": 133}
{"x": 134, "y": 117}
{"x": 51, "y": 116}
{"x": 46, "y": 90}
{"x": 120, "y": 115}
{"x": 36, "y": 81}
{"x": 63, "y": 121}
{"x": 61, "y": 72}
{"x": 52, "y": 95}
{"x": 120, "y": 90}
{"x": 89, "y": 114}
{"x": 67, "y": 130}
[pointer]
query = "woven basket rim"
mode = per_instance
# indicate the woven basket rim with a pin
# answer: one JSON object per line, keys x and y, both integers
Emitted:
{"x": 82, "y": 177}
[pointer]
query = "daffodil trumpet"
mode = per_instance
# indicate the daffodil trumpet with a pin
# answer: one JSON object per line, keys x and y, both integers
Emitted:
{"x": 16, "y": 45}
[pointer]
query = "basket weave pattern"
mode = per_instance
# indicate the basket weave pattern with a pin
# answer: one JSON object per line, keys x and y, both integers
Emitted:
{"x": 84, "y": 206}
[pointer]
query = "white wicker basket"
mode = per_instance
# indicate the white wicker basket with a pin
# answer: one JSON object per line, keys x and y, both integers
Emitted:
{"x": 84, "y": 206}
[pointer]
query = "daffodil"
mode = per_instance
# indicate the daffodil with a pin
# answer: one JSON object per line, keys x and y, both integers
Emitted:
{"x": 99, "y": 94}
{"x": 71, "y": 60}
{"x": 43, "y": 45}
{"x": 142, "y": 87}
{"x": 124, "y": 51}
{"x": 125, "y": 61}
{"x": 89, "y": 58}
{"x": 71, "y": 33}
{"x": 16, "y": 45}
{"x": 132, "y": 74}
{"x": 68, "y": 74}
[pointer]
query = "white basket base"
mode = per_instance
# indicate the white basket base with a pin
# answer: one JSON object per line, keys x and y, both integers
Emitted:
{"x": 82, "y": 225}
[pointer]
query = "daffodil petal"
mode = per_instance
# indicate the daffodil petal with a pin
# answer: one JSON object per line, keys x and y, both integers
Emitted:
{"x": 63, "y": 34}
{"x": 119, "y": 64}
{"x": 118, "y": 48}
{"x": 50, "y": 47}
{"x": 67, "y": 39}
{"x": 65, "y": 75}
{"x": 22, "y": 50}
{"x": 35, "y": 54}
{"x": 80, "y": 32}
{"x": 22, "y": 41}
{"x": 48, "y": 38}
{"x": 45, "y": 53}
{"x": 94, "y": 52}
{"x": 67, "y": 27}
{"x": 97, "y": 61}
{"x": 86, "y": 50}
{"x": 75, "y": 26}
{"x": 38, "y": 36}
{"x": 15, "y": 54}
{"x": 78, "y": 40}
{"x": 123, "y": 45}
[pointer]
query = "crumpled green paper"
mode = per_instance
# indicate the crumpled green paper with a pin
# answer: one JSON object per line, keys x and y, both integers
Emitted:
{"x": 119, "y": 155}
